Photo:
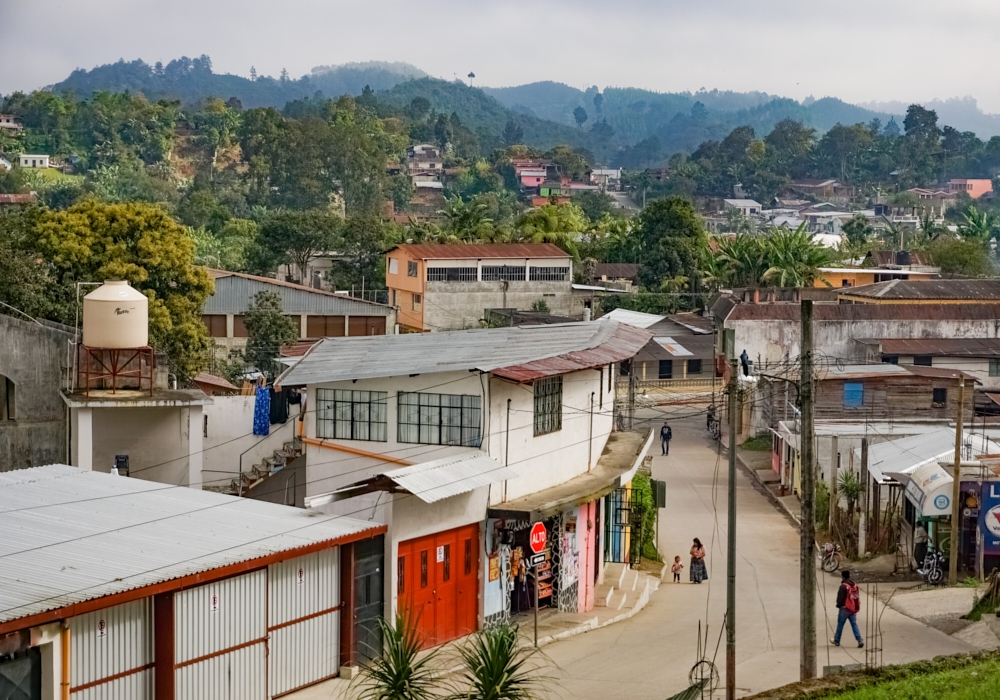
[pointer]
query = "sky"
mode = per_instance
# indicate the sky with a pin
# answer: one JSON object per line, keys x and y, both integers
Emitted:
{"x": 858, "y": 50}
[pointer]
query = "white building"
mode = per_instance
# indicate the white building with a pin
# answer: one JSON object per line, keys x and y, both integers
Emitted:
{"x": 459, "y": 441}
{"x": 33, "y": 161}
{"x": 123, "y": 589}
{"x": 746, "y": 207}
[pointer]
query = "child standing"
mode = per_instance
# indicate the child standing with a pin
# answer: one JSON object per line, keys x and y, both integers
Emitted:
{"x": 676, "y": 568}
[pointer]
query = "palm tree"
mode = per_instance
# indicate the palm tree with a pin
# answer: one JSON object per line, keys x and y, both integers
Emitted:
{"x": 397, "y": 674}
{"x": 794, "y": 257}
{"x": 930, "y": 227}
{"x": 741, "y": 261}
{"x": 467, "y": 221}
{"x": 560, "y": 224}
{"x": 498, "y": 666}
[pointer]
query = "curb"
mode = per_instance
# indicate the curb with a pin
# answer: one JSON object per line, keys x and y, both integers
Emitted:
{"x": 767, "y": 492}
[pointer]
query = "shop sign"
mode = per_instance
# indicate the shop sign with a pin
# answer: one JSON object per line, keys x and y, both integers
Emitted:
{"x": 494, "y": 567}
{"x": 989, "y": 517}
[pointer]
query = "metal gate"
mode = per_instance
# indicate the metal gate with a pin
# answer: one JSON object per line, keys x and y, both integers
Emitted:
{"x": 369, "y": 565}
{"x": 622, "y": 528}
{"x": 21, "y": 676}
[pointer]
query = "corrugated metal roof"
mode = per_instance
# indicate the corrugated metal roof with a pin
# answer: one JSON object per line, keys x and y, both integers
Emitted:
{"x": 638, "y": 319}
{"x": 948, "y": 347}
{"x": 927, "y": 290}
{"x": 474, "y": 251}
{"x": 442, "y": 478}
{"x": 855, "y": 312}
{"x": 234, "y": 291}
{"x": 907, "y": 453}
{"x": 520, "y": 352}
{"x": 702, "y": 325}
{"x": 71, "y": 535}
{"x": 672, "y": 346}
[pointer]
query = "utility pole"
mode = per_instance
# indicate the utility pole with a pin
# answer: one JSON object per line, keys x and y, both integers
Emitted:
{"x": 731, "y": 525}
{"x": 956, "y": 487}
{"x": 807, "y": 526}
{"x": 631, "y": 393}
{"x": 863, "y": 516}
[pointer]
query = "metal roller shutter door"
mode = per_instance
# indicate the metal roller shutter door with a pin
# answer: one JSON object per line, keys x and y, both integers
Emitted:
{"x": 303, "y": 620}
{"x": 112, "y": 653}
{"x": 220, "y": 642}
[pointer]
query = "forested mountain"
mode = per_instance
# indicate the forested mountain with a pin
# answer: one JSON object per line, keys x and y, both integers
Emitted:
{"x": 192, "y": 79}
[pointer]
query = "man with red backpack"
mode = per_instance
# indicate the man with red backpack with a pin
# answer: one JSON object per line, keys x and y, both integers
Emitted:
{"x": 848, "y": 604}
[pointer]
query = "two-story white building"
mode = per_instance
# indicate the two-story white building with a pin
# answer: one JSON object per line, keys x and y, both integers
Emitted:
{"x": 459, "y": 441}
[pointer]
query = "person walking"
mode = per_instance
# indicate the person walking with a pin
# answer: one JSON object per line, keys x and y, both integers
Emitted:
{"x": 666, "y": 435}
{"x": 848, "y": 605}
{"x": 676, "y": 568}
{"x": 920, "y": 544}
{"x": 698, "y": 571}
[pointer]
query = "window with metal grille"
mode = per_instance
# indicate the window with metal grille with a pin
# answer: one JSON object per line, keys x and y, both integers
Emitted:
{"x": 694, "y": 367}
{"x": 439, "y": 419}
{"x": 549, "y": 274}
{"x": 451, "y": 274}
{"x": 939, "y": 397}
{"x": 995, "y": 368}
{"x": 351, "y": 415}
{"x": 854, "y": 394}
{"x": 548, "y": 405}
{"x": 922, "y": 360}
{"x": 497, "y": 273}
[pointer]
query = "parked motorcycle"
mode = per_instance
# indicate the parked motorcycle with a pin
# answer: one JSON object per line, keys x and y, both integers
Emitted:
{"x": 934, "y": 567}
{"x": 830, "y": 557}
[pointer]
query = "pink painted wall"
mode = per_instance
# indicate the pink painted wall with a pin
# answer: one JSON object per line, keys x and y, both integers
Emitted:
{"x": 587, "y": 535}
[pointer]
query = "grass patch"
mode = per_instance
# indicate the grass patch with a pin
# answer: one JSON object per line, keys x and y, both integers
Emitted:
{"x": 970, "y": 582}
{"x": 758, "y": 443}
{"x": 982, "y": 607}
{"x": 959, "y": 677}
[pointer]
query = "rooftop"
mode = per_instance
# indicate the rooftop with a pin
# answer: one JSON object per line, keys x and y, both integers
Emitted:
{"x": 729, "y": 309}
{"x": 467, "y": 251}
{"x": 519, "y": 353}
{"x": 933, "y": 290}
{"x": 72, "y": 536}
{"x": 134, "y": 398}
{"x": 639, "y": 319}
{"x": 946, "y": 347}
{"x": 742, "y": 203}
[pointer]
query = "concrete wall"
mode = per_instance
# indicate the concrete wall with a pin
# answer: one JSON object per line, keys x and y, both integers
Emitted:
{"x": 155, "y": 439}
{"x": 769, "y": 342}
{"x": 459, "y": 305}
{"x": 35, "y": 358}
{"x": 230, "y": 434}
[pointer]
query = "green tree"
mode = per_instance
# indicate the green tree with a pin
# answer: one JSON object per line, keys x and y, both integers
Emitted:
{"x": 978, "y": 225}
{"x": 560, "y": 224}
{"x": 26, "y": 281}
{"x": 295, "y": 237}
{"x": 512, "y": 134}
{"x": 267, "y": 330}
{"x": 672, "y": 237}
{"x": 466, "y": 221}
{"x": 92, "y": 242}
{"x": 858, "y": 230}
{"x": 969, "y": 257}
{"x": 580, "y": 115}
{"x": 598, "y": 102}
{"x": 741, "y": 261}
{"x": 595, "y": 204}
{"x": 794, "y": 257}
{"x": 230, "y": 248}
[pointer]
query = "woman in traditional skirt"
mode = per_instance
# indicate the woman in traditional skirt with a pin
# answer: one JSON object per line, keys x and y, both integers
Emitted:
{"x": 698, "y": 571}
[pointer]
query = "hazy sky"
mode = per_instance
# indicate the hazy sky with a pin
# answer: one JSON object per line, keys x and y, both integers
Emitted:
{"x": 859, "y": 50}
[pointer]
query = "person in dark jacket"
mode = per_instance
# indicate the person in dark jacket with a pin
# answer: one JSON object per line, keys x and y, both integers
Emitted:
{"x": 848, "y": 605}
{"x": 666, "y": 435}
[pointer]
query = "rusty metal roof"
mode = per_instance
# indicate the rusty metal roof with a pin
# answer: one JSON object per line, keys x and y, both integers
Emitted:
{"x": 946, "y": 347}
{"x": 466, "y": 251}
{"x": 858, "y": 312}
{"x": 928, "y": 290}
{"x": 519, "y": 353}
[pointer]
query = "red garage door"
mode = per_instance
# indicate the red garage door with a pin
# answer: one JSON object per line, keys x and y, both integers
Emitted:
{"x": 438, "y": 583}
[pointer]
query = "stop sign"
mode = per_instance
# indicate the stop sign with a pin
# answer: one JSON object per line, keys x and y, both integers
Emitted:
{"x": 538, "y": 537}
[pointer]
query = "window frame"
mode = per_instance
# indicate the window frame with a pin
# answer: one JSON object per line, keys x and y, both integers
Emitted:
{"x": 548, "y": 274}
{"x": 504, "y": 273}
{"x": 411, "y": 268}
{"x": 698, "y": 367}
{"x": 994, "y": 367}
{"x": 415, "y": 301}
{"x": 934, "y": 397}
{"x": 852, "y": 388}
{"x": 452, "y": 274}
{"x": 548, "y": 392}
{"x": 434, "y": 419}
{"x": 364, "y": 416}
{"x": 923, "y": 361}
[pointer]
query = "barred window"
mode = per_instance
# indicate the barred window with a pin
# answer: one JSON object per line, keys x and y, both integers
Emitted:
{"x": 451, "y": 274}
{"x": 351, "y": 415}
{"x": 496, "y": 273}
{"x": 439, "y": 419}
{"x": 548, "y": 405}
{"x": 549, "y": 274}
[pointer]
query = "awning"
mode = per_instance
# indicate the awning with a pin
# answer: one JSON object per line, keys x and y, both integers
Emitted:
{"x": 428, "y": 481}
{"x": 616, "y": 467}
{"x": 928, "y": 488}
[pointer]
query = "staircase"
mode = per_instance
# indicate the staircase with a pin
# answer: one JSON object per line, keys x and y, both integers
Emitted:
{"x": 624, "y": 588}
{"x": 259, "y": 473}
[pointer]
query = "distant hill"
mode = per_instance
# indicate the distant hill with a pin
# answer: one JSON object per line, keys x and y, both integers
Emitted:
{"x": 190, "y": 80}
{"x": 963, "y": 113}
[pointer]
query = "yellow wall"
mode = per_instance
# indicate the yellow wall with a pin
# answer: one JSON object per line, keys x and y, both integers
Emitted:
{"x": 860, "y": 277}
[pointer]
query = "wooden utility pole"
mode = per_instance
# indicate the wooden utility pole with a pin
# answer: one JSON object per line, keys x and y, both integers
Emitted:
{"x": 956, "y": 487}
{"x": 734, "y": 369}
{"x": 863, "y": 506}
{"x": 807, "y": 525}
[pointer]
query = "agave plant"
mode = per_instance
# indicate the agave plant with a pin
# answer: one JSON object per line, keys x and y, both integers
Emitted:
{"x": 498, "y": 666}
{"x": 398, "y": 674}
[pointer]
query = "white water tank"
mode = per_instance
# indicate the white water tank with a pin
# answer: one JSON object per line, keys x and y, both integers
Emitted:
{"x": 115, "y": 316}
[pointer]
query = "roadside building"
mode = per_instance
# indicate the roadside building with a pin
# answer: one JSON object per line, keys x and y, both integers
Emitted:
{"x": 121, "y": 589}
{"x": 424, "y": 163}
{"x": 746, "y": 207}
{"x": 608, "y": 179}
{"x": 459, "y": 441}
{"x": 680, "y": 351}
{"x": 449, "y": 287}
{"x": 317, "y": 313}
{"x": 974, "y": 188}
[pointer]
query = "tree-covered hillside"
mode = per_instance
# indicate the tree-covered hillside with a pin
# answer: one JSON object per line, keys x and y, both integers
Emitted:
{"x": 191, "y": 80}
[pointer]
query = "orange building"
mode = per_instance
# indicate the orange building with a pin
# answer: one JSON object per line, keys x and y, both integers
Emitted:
{"x": 449, "y": 287}
{"x": 973, "y": 188}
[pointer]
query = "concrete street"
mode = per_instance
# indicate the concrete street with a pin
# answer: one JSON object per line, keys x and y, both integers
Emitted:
{"x": 650, "y": 655}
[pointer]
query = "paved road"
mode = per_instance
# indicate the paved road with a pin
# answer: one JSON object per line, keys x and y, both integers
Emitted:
{"x": 649, "y": 656}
